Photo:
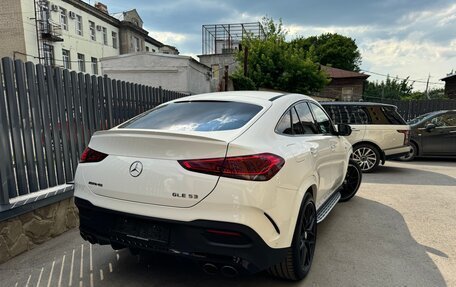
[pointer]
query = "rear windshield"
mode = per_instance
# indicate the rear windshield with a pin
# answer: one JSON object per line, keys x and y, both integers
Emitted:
{"x": 196, "y": 116}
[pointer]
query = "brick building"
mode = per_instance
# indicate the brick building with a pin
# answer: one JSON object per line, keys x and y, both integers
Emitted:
{"x": 450, "y": 86}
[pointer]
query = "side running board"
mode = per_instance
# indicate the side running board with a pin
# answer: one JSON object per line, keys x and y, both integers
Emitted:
{"x": 324, "y": 210}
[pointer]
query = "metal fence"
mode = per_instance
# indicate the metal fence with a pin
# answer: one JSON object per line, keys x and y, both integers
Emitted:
{"x": 47, "y": 116}
{"x": 412, "y": 109}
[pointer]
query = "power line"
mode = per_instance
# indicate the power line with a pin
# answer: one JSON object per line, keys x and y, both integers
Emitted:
{"x": 405, "y": 79}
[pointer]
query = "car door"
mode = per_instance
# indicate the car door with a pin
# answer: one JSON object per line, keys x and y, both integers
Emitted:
{"x": 440, "y": 140}
{"x": 331, "y": 154}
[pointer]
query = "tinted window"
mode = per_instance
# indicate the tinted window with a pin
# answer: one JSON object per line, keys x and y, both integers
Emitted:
{"x": 284, "y": 125}
{"x": 323, "y": 121}
{"x": 295, "y": 123}
{"x": 306, "y": 118}
{"x": 348, "y": 114}
{"x": 446, "y": 120}
{"x": 381, "y": 115}
{"x": 196, "y": 116}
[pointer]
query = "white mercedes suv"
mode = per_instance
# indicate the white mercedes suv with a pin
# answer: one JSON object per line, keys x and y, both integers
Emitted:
{"x": 236, "y": 180}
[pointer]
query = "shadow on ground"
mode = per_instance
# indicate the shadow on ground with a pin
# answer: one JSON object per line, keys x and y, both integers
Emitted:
{"x": 409, "y": 175}
{"x": 361, "y": 243}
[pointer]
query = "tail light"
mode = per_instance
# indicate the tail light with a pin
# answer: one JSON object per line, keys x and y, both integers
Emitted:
{"x": 90, "y": 155}
{"x": 406, "y": 136}
{"x": 259, "y": 167}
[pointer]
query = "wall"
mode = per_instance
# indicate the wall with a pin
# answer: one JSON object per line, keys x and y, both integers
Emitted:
{"x": 12, "y": 29}
{"x": 25, "y": 231}
{"x": 450, "y": 88}
{"x": 217, "y": 63}
{"x": 168, "y": 71}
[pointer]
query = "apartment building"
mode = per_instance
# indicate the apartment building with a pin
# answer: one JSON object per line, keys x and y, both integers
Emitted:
{"x": 71, "y": 33}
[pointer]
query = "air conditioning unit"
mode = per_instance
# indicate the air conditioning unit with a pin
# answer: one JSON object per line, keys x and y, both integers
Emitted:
{"x": 72, "y": 15}
{"x": 99, "y": 28}
{"x": 54, "y": 8}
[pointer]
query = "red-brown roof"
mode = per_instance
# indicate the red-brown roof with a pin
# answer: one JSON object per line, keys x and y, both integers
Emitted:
{"x": 335, "y": 73}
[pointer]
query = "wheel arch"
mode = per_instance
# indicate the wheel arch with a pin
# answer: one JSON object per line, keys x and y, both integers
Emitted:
{"x": 418, "y": 148}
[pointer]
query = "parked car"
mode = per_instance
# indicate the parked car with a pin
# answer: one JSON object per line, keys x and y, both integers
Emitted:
{"x": 236, "y": 180}
{"x": 433, "y": 134}
{"x": 379, "y": 132}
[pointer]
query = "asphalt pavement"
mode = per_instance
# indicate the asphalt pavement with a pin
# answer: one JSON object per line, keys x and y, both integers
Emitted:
{"x": 398, "y": 231}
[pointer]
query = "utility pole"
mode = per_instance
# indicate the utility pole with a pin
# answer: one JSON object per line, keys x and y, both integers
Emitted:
{"x": 427, "y": 87}
{"x": 246, "y": 57}
{"x": 226, "y": 78}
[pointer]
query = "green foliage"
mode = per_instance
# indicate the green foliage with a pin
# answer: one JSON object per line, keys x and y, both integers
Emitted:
{"x": 274, "y": 63}
{"x": 332, "y": 50}
{"x": 393, "y": 89}
{"x": 242, "y": 83}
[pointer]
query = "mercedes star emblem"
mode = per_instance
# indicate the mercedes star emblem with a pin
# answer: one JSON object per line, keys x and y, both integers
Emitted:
{"x": 136, "y": 168}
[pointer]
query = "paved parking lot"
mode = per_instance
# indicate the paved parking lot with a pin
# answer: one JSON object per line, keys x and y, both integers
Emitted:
{"x": 399, "y": 231}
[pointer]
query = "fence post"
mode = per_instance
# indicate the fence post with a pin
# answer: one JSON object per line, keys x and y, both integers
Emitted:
{"x": 160, "y": 95}
{"x": 109, "y": 102}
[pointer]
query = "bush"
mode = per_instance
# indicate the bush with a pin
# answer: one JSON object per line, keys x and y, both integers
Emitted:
{"x": 242, "y": 83}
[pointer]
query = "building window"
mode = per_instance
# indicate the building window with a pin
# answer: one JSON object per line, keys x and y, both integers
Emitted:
{"x": 93, "y": 34}
{"x": 79, "y": 25}
{"x": 105, "y": 36}
{"x": 94, "y": 63}
{"x": 63, "y": 18}
{"x": 114, "y": 40}
{"x": 81, "y": 62}
{"x": 147, "y": 49}
{"x": 66, "y": 59}
{"x": 136, "y": 44}
{"x": 347, "y": 94}
{"x": 48, "y": 55}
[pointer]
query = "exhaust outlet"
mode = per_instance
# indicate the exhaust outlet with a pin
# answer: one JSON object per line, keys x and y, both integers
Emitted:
{"x": 210, "y": 268}
{"x": 229, "y": 271}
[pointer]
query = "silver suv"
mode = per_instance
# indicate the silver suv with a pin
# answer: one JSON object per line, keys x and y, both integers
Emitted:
{"x": 379, "y": 132}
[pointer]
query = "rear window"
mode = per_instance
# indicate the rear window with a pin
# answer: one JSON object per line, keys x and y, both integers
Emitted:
{"x": 364, "y": 115}
{"x": 196, "y": 116}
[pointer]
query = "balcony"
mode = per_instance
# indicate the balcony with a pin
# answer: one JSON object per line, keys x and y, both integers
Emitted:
{"x": 51, "y": 32}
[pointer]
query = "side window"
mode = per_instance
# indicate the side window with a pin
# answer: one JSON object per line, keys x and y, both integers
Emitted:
{"x": 447, "y": 120}
{"x": 307, "y": 121}
{"x": 296, "y": 123}
{"x": 284, "y": 125}
{"x": 347, "y": 114}
{"x": 323, "y": 121}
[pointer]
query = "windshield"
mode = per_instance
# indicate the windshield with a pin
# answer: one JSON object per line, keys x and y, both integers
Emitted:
{"x": 418, "y": 118}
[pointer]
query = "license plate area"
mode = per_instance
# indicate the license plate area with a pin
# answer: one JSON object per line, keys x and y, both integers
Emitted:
{"x": 142, "y": 230}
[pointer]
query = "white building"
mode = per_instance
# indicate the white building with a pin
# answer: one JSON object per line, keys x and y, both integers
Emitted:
{"x": 178, "y": 73}
{"x": 71, "y": 33}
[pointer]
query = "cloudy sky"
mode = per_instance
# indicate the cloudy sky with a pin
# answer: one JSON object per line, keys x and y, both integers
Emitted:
{"x": 402, "y": 38}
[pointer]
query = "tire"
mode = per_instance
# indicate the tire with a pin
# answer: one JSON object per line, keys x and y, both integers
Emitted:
{"x": 297, "y": 264}
{"x": 366, "y": 156}
{"x": 411, "y": 156}
{"x": 352, "y": 181}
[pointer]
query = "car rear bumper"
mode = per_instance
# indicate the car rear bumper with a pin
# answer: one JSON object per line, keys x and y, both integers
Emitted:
{"x": 396, "y": 152}
{"x": 208, "y": 241}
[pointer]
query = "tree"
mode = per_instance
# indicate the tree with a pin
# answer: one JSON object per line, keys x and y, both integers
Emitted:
{"x": 392, "y": 89}
{"x": 332, "y": 50}
{"x": 274, "y": 63}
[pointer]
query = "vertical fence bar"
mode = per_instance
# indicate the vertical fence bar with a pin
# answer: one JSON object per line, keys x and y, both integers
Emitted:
{"x": 8, "y": 183}
{"x": 90, "y": 109}
{"x": 15, "y": 124}
{"x": 124, "y": 102}
{"x": 129, "y": 101}
{"x": 52, "y": 77}
{"x": 102, "y": 103}
{"x": 67, "y": 120}
{"x": 96, "y": 103}
{"x": 44, "y": 103}
{"x": 109, "y": 101}
{"x": 115, "y": 104}
{"x": 84, "y": 108}
{"x": 26, "y": 127}
{"x": 78, "y": 119}
{"x": 38, "y": 135}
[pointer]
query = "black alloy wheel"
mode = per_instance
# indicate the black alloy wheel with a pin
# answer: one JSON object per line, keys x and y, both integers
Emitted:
{"x": 351, "y": 182}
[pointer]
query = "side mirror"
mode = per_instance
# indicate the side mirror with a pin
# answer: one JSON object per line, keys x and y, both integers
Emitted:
{"x": 343, "y": 130}
{"x": 430, "y": 127}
